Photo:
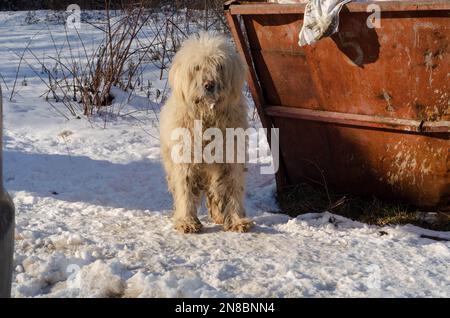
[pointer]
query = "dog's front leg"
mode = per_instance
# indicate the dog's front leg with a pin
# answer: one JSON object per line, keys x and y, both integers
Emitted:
{"x": 227, "y": 189}
{"x": 185, "y": 199}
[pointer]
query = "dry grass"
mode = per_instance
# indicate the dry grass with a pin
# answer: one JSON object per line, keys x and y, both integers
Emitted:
{"x": 305, "y": 198}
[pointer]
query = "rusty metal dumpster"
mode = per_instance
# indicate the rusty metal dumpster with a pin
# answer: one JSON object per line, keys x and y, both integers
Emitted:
{"x": 367, "y": 108}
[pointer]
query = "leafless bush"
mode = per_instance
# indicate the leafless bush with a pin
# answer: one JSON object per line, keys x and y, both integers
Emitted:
{"x": 86, "y": 79}
{"x": 141, "y": 34}
{"x": 112, "y": 61}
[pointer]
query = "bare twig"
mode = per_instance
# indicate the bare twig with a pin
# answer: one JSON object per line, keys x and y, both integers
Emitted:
{"x": 20, "y": 63}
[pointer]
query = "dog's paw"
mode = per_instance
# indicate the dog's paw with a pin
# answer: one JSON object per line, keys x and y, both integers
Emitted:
{"x": 217, "y": 218}
{"x": 240, "y": 225}
{"x": 188, "y": 226}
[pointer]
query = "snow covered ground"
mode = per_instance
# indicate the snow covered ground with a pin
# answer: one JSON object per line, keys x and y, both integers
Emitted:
{"x": 93, "y": 214}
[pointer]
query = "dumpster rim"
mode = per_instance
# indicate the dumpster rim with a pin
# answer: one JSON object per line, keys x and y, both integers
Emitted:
{"x": 256, "y": 8}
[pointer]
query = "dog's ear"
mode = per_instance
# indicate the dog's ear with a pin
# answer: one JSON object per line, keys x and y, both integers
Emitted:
{"x": 238, "y": 75}
{"x": 173, "y": 73}
{"x": 176, "y": 79}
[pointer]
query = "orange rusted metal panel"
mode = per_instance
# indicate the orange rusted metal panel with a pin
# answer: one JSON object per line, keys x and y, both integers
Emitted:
{"x": 369, "y": 106}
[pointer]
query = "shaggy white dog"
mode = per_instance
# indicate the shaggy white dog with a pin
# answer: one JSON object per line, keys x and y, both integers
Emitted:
{"x": 206, "y": 78}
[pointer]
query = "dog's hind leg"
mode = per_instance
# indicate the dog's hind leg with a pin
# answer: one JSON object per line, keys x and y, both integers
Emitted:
{"x": 214, "y": 211}
{"x": 186, "y": 198}
{"x": 227, "y": 191}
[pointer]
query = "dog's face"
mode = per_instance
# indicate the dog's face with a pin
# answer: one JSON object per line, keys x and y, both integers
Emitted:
{"x": 207, "y": 73}
{"x": 208, "y": 79}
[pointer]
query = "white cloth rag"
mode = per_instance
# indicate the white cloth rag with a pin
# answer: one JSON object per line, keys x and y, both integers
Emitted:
{"x": 321, "y": 19}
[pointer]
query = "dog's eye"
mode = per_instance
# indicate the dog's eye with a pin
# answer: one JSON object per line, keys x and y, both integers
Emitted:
{"x": 196, "y": 68}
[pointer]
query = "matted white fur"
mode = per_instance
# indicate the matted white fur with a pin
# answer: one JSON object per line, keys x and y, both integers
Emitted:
{"x": 206, "y": 78}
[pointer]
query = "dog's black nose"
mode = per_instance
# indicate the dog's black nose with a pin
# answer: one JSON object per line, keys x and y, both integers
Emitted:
{"x": 209, "y": 86}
